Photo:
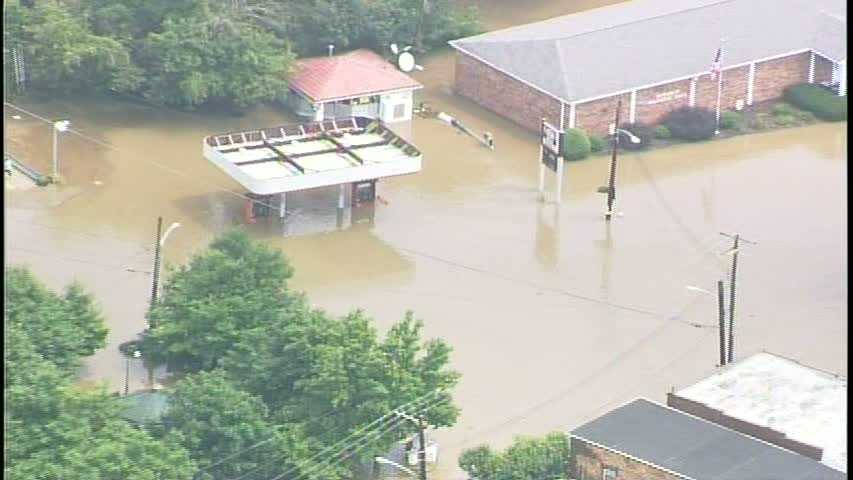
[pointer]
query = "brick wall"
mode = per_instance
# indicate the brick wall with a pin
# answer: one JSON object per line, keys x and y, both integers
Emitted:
{"x": 822, "y": 69}
{"x": 503, "y": 94}
{"x": 756, "y": 431}
{"x": 654, "y": 103}
{"x": 595, "y": 117}
{"x": 774, "y": 76}
{"x": 588, "y": 461}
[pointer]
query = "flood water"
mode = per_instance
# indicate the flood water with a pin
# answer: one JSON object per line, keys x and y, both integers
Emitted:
{"x": 555, "y": 315}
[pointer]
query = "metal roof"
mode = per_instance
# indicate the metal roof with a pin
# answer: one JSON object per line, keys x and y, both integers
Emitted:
{"x": 355, "y": 74}
{"x": 144, "y": 407}
{"x": 695, "y": 448}
{"x": 805, "y": 404}
{"x": 644, "y": 42}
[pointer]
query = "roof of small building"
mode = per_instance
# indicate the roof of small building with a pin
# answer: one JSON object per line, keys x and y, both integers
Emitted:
{"x": 144, "y": 407}
{"x": 805, "y": 404}
{"x": 358, "y": 73}
{"x": 617, "y": 48}
{"x": 696, "y": 448}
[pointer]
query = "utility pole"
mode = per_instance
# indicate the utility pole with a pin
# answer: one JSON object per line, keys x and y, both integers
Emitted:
{"x": 732, "y": 288}
{"x": 156, "y": 272}
{"x": 422, "y": 451}
{"x": 722, "y": 314}
{"x": 611, "y": 184}
{"x": 419, "y": 31}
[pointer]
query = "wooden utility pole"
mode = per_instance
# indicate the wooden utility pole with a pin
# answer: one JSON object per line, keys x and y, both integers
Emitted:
{"x": 735, "y": 250}
{"x": 422, "y": 450}
{"x": 156, "y": 272}
{"x": 611, "y": 184}
{"x": 722, "y": 314}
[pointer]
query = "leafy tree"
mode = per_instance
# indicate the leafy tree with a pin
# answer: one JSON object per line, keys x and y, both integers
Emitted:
{"x": 233, "y": 287}
{"x": 62, "y": 329}
{"x": 228, "y": 431}
{"x": 543, "y": 458}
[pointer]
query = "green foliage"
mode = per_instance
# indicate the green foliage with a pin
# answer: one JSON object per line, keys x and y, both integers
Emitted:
{"x": 205, "y": 307}
{"x": 640, "y": 130}
{"x": 783, "y": 108}
{"x": 576, "y": 145}
{"x": 596, "y": 143}
{"x": 785, "y": 120}
{"x": 691, "y": 123}
{"x": 732, "y": 121}
{"x": 762, "y": 121}
{"x": 818, "y": 100}
{"x": 662, "y": 132}
{"x": 62, "y": 329}
{"x": 544, "y": 458}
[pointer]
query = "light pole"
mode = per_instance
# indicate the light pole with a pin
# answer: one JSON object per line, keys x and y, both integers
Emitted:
{"x": 611, "y": 184}
{"x": 136, "y": 354}
{"x": 732, "y": 281}
{"x": 385, "y": 461}
{"x": 721, "y": 313}
{"x": 58, "y": 126}
{"x": 161, "y": 240}
{"x": 421, "y": 424}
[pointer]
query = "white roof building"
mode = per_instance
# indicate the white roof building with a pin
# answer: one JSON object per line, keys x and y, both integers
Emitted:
{"x": 777, "y": 400}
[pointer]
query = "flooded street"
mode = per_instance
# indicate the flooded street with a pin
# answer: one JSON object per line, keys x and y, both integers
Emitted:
{"x": 555, "y": 316}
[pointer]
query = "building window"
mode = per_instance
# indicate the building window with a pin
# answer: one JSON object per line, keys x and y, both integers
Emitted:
{"x": 399, "y": 110}
{"x": 609, "y": 473}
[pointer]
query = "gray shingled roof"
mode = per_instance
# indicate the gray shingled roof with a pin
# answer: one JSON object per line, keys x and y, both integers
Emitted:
{"x": 696, "y": 448}
{"x": 620, "y": 47}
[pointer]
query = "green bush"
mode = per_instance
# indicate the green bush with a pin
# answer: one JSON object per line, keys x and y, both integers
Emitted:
{"x": 818, "y": 100}
{"x": 576, "y": 145}
{"x": 662, "y": 132}
{"x": 785, "y": 120}
{"x": 640, "y": 130}
{"x": 762, "y": 121}
{"x": 596, "y": 143}
{"x": 783, "y": 109}
{"x": 691, "y": 123}
{"x": 731, "y": 121}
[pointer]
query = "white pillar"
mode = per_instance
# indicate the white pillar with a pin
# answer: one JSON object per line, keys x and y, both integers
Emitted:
{"x": 341, "y": 194}
{"x": 691, "y": 96}
{"x": 571, "y": 115}
{"x": 632, "y": 109}
{"x": 811, "y": 67}
{"x": 318, "y": 113}
{"x": 560, "y": 168}
{"x": 562, "y": 116}
{"x": 842, "y": 78}
{"x": 282, "y": 205}
{"x": 750, "y": 83}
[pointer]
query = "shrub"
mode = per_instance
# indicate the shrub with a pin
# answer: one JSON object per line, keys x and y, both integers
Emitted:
{"x": 785, "y": 120}
{"x": 783, "y": 109}
{"x": 731, "y": 121}
{"x": 662, "y": 132}
{"x": 596, "y": 143}
{"x": 576, "y": 145}
{"x": 818, "y": 100}
{"x": 644, "y": 132}
{"x": 762, "y": 121}
{"x": 691, "y": 123}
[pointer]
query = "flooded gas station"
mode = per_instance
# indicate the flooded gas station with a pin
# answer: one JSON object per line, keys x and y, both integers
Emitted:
{"x": 555, "y": 315}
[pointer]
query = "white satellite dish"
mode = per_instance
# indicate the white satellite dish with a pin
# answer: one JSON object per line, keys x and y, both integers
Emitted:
{"x": 406, "y": 62}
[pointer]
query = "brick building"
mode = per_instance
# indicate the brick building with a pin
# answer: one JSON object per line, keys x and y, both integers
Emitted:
{"x": 656, "y": 55}
{"x": 777, "y": 400}
{"x": 644, "y": 440}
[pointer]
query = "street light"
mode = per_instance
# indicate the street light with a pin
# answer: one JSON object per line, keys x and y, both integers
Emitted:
{"x": 58, "y": 126}
{"x": 610, "y": 189}
{"x": 385, "y": 461}
{"x": 136, "y": 354}
{"x": 161, "y": 241}
{"x": 631, "y": 136}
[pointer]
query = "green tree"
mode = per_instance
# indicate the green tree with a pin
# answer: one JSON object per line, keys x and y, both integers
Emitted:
{"x": 228, "y": 431}
{"x": 543, "y": 458}
{"x": 62, "y": 329}
{"x": 206, "y": 306}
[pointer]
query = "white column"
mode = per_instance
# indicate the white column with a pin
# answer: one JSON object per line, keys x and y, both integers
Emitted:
{"x": 318, "y": 114}
{"x": 341, "y": 194}
{"x": 691, "y": 96}
{"x": 562, "y": 115}
{"x": 571, "y": 115}
{"x": 282, "y": 205}
{"x": 842, "y": 78}
{"x": 750, "y": 83}
{"x": 632, "y": 109}
{"x": 560, "y": 167}
{"x": 811, "y": 67}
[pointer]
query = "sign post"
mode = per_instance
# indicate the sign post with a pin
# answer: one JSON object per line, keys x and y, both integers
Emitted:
{"x": 552, "y": 139}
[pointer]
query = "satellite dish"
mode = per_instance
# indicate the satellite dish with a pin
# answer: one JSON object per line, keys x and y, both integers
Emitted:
{"x": 406, "y": 62}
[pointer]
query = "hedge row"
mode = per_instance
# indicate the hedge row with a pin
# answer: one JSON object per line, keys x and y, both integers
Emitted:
{"x": 819, "y": 100}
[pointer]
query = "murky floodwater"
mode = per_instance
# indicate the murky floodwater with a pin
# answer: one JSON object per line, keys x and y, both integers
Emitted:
{"x": 555, "y": 315}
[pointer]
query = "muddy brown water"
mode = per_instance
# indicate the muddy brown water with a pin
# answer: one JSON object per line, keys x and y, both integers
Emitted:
{"x": 555, "y": 316}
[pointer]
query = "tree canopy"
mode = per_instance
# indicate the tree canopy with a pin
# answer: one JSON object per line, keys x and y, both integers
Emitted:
{"x": 543, "y": 458}
{"x": 187, "y": 53}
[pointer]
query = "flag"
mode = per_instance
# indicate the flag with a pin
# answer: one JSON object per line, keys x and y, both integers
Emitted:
{"x": 717, "y": 66}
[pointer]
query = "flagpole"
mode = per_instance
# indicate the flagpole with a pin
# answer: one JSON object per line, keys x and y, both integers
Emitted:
{"x": 719, "y": 89}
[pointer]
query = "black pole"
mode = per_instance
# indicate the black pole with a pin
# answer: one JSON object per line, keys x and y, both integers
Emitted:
{"x": 156, "y": 272}
{"x": 127, "y": 376}
{"x": 731, "y": 353}
{"x": 422, "y": 451}
{"x": 722, "y": 313}
{"x": 611, "y": 185}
